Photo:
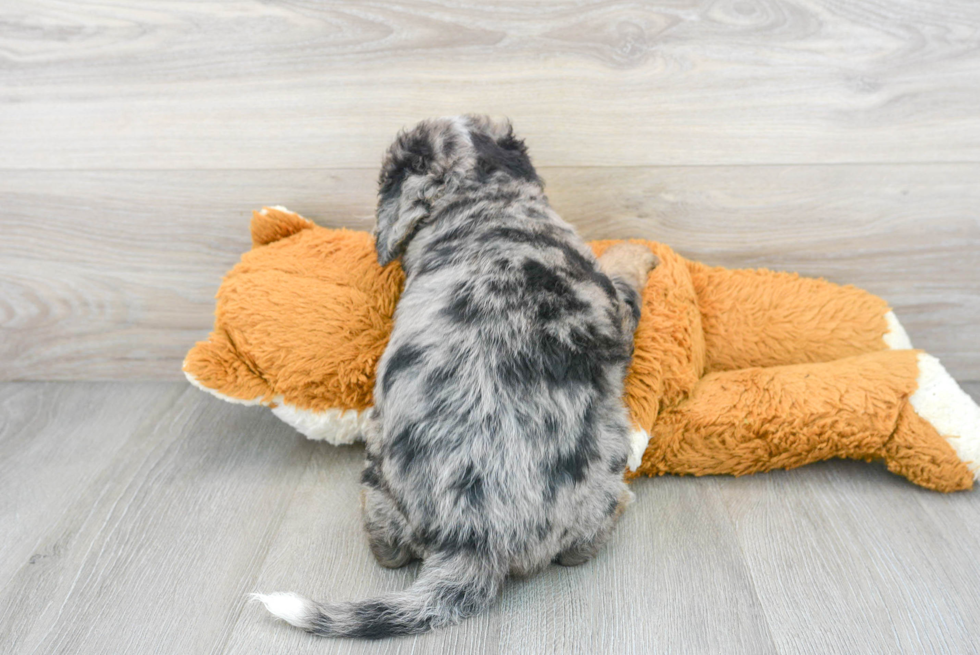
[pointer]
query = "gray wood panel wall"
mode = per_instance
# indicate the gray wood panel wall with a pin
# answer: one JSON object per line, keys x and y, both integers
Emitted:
{"x": 833, "y": 138}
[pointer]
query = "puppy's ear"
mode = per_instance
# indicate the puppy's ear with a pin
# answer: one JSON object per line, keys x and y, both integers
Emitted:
{"x": 407, "y": 185}
{"x": 503, "y": 152}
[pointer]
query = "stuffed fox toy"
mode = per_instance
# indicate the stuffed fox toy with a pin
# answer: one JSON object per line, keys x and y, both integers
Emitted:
{"x": 734, "y": 371}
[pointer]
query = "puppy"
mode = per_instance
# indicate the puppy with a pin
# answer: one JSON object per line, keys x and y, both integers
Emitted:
{"x": 499, "y": 435}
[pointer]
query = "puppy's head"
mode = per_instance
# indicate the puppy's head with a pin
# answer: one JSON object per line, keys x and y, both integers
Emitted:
{"x": 434, "y": 160}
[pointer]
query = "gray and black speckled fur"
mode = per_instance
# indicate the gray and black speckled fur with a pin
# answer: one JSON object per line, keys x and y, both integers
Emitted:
{"x": 499, "y": 435}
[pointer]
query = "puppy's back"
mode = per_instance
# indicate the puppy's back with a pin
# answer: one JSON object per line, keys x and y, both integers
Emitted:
{"x": 500, "y": 408}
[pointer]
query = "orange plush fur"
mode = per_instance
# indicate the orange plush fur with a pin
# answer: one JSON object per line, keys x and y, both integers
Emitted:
{"x": 734, "y": 371}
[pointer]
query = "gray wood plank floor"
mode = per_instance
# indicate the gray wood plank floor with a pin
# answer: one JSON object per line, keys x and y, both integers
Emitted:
{"x": 834, "y": 138}
{"x": 136, "y": 518}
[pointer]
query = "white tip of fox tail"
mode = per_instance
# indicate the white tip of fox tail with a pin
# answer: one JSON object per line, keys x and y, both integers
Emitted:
{"x": 941, "y": 401}
{"x": 291, "y": 608}
{"x": 896, "y": 338}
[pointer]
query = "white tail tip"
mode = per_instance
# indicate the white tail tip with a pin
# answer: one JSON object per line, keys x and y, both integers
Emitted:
{"x": 896, "y": 338}
{"x": 291, "y": 608}
{"x": 949, "y": 409}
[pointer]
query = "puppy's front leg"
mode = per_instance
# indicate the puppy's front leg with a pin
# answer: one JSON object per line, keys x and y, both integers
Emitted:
{"x": 627, "y": 265}
{"x": 629, "y": 262}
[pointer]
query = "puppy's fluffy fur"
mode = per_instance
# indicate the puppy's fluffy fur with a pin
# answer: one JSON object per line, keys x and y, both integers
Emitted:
{"x": 499, "y": 435}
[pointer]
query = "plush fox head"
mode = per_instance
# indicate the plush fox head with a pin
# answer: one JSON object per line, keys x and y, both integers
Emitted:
{"x": 300, "y": 324}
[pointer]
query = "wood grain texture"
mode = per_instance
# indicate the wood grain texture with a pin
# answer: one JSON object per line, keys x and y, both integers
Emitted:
{"x": 50, "y": 456}
{"x": 671, "y": 580}
{"x": 848, "y": 558}
{"x": 810, "y": 135}
{"x": 118, "y": 84}
{"x": 164, "y": 508}
{"x": 635, "y": 597}
{"x": 834, "y": 138}
{"x": 112, "y": 274}
{"x": 158, "y": 552}
{"x": 321, "y": 551}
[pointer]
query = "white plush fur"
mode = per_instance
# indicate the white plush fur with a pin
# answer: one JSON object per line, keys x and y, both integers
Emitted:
{"x": 291, "y": 608}
{"x": 335, "y": 426}
{"x": 278, "y": 208}
{"x": 896, "y": 338}
{"x": 949, "y": 409}
{"x": 228, "y": 399}
{"x": 638, "y": 445}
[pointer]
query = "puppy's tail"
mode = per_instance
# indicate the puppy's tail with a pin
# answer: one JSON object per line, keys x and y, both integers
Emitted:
{"x": 450, "y": 588}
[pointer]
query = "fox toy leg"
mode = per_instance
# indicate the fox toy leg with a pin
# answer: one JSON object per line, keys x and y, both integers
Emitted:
{"x": 892, "y": 405}
{"x": 766, "y": 318}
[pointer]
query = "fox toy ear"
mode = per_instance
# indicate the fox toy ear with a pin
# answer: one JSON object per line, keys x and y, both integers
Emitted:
{"x": 274, "y": 223}
{"x": 407, "y": 186}
{"x": 217, "y": 366}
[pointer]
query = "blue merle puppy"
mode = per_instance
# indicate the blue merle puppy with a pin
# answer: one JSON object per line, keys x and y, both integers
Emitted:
{"x": 499, "y": 435}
